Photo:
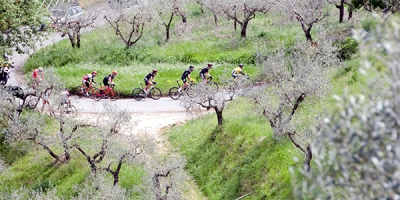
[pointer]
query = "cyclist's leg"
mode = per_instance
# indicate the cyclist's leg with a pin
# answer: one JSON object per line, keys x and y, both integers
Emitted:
{"x": 87, "y": 87}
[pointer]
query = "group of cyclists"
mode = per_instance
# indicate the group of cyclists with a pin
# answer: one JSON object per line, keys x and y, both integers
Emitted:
{"x": 149, "y": 78}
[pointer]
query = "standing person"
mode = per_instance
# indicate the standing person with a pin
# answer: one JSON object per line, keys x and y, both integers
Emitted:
{"x": 149, "y": 80}
{"x": 204, "y": 73}
{"x": 37, "y": 77}
{"x": 238, "y": 71}
{"x": 108, "y": 80}
{"x": 46, "y": 100}
{"x": 86, "y": 81}
{"x": 186, "y": 76}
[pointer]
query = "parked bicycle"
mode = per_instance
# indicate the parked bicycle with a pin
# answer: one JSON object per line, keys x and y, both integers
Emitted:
{"x": 175, "y": 94}
{"x": 105, "y": 92}
{"x": 139, "y": 93}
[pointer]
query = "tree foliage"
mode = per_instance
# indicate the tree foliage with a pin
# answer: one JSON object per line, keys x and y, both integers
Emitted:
{"x": 292, "y": 78}
{"x": 128, "y": 21}
{"x": 72, "y": 25}
{"x": 242, "y": 12}
{"x": 376, "y": 5}
{"x": 357, "y": 150}
{"x": 307, "y": 13}
{"x": 19, "y": 24}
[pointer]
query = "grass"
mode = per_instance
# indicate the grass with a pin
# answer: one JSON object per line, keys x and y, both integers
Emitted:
{"x": 243, "y": 158}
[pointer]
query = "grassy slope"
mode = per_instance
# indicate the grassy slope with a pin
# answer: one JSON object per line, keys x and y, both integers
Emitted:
{"x": 243, "y": 158}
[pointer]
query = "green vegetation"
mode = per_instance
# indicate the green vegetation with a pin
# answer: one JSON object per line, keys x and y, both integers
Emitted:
{"x": 242, "y": 158}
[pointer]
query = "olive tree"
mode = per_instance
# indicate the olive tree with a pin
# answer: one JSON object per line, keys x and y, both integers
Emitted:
{"x": 377, "y": 5}
{"x": 129, "y": 21}
{"x": 166, "y": 10}
{"x": 293, "y": 78}
{"x": 165, "y": 177}
{"x": 19, "y": 25}
{"x": 114, "y": 146}
{"x": 357, "y": 151}
{"x": 341, "y": 5}
{"x": 72, "y": 26}
{"x": 306, "y": 12}
{"x": 243, "y": 11}
{"x": 211, "y": 96}
{"x": 215, "y": 6}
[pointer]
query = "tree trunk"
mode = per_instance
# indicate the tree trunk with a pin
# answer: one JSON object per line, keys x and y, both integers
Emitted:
{"x": 167, "y": 33}
{"x": 308, "y": 34}
{"x": 350, "y": 14}
{"x": 78, "y": 40}
{"x": 244, "y": 28}
{"x": 341, "y": 11}
{"x": 71, "y": 39}
{"x": 235, "y": 23}
{"x": 215, "y": 19}
{"x": 219, "y": 117}
{"x": 184, "y": 20}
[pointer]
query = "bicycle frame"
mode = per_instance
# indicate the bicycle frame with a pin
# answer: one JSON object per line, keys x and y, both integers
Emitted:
{"x": 107, "y": 89}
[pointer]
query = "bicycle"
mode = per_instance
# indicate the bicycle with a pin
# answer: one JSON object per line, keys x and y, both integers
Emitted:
{"x": 105, "y": 92}
{"x": 175, "y": 94}
{"x": 80, "y": 90}
{"x": 210, "y": 85}
{"x": 139, "y": 93}
{"x": 240, "y": 82}
{"x": 67, "y": 109}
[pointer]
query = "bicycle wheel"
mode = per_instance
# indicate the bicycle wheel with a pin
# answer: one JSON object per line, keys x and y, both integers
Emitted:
{"x": 174, "y": 93}
{"x": 79, "y": 91}
{"x": 155, "y": 93}
{"x": 191, "y": 91}
{"x": 97, "y": 94}
{"x": 138, "y": 94}
{"x": 213, "y": 86}
{"x": 115, "y": 96}
{"x": 71, "y": 111}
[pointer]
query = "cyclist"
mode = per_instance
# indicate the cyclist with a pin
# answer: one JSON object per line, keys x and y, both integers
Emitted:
{"x": 149, "y": 80}
{"x": 238, "y": 71}
{"x": 186, "y": 76}
{"x": 86, "y": 81}
{"x": 64, "y": 100}
{"x": 108, "y": 80}
{"x": 204, "y": 73}
{"x": 37, "y": 76}
{"x": 65, "y": 97}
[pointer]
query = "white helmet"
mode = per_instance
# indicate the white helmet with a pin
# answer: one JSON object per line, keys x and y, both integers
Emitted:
{"x": 40, "y": 69}
{"x": 6, "y": 69}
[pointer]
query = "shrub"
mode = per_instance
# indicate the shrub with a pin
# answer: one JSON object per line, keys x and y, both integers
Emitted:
{"x": 348, "y": 47}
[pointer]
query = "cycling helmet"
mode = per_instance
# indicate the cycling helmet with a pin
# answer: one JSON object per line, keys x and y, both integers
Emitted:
{"x": 191, "y": 67}
{"x": 240, "y": 65}
{"x": 209, "y": 65}
{"x": 154, "y": 70}
{"x": 94, "y": 72}
{"x": 6, "y": 69}
{"x": 114, "y": 72}
{"x": 40, "y": 69}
